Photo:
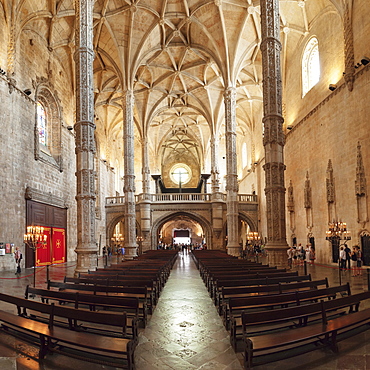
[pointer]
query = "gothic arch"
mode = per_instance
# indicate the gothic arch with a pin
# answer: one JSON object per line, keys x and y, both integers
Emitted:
{"x": 169, "y": 216}
{"x": 252, "y": 224}
{"x": 112, "y": 224}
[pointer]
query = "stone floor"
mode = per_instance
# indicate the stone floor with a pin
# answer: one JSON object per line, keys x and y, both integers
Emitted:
{"x": 185, "y": 331}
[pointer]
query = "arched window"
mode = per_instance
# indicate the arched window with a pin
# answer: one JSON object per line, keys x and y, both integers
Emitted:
{"x": 42, "y": 124}
{"x": 48, "y": 125}
{"x": 310, "y": 66}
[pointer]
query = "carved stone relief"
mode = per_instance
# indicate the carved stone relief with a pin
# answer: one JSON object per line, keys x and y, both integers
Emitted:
{"x": 330, "y": 189}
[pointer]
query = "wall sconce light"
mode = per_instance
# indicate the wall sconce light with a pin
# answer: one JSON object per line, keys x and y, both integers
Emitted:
{"x": 104, "y": 160}
{"x": 2, "y": 72}
{"x": 365, "y": 61}
{"x": 332, "y": 87}
{"x": 27, "y": 92}
{"x": 70, "y": 128}
{"x": 255, "y": 163}
{"x": 290, "y": 126}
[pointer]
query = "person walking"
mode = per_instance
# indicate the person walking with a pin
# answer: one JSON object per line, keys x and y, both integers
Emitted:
{"x": 342, "y": 258}
{"x": 348, "y": 255}
{"x": 312, "y": 255}
{"x": 359, "y": 261}
{"x": 18, "y": 259}
{"x": 290, "y": 253}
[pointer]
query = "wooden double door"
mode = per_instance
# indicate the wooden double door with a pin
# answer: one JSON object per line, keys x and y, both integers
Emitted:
{"x": 54, "y": 221}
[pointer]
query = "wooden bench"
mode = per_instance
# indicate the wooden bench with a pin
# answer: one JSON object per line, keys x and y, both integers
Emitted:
{"x": 238, "y": 292}
{"x": 249, "y": 282}
{"x": 214, "y": 282}
{"x": 133, "y": 304}
{"x": 237, "y": 305}
{"x": 112, "y": 285}
{"x": 124, "y": 304}
{"x": 69, "y": 340}
{"x": 273, "y": 346}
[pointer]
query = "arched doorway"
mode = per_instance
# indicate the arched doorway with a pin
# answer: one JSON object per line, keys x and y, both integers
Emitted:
{"x": 178, "y": 228}
{"x": 365, "y": 247}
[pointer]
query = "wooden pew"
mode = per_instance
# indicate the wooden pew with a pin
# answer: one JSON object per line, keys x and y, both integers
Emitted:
{"x": 128, "y": 305}
{"x": 145, "y": 290}
{"x": 112, "y": 351}
{"x": 285, "y": 278}
{"x": 102, "y": 291}
{"x": 272, "y": 346}
{"x": 237, "y": 305}
{"x": 212, "y": 283}
{"x": 239, "y": 292}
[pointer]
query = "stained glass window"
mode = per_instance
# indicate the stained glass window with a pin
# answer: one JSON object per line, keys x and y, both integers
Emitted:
{"x": 42, "y": 123}
{"x": 310, "y": 66}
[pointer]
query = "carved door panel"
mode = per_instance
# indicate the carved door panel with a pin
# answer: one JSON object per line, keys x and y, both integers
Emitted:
{"x": 365, "y": 247}
{"x": 335, "y": 250}
{"x": 43, "y": 250}
{"x": 59, "y": 246}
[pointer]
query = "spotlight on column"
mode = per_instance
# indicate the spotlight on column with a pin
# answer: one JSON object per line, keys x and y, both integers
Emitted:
{"x": 289, "y": 127}
{"x": 365, "y": 61}
{"x": 27, "y": 92}
{"x": 70, "y": 128}
{"x": 332, "y": 87}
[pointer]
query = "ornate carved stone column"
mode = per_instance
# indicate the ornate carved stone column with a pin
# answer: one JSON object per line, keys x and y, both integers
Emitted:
{"x": 330, "y": 193}
{"x": 349, "y": 75}
{"x": 217, "y": 201}
{"x": 360, "y": 190}
{"x": 85, "y": 142}
{"x": 215, "y": 171}
{"x": 145, "y": 203}
{"x": 232, "y": 205}
{"x": 273, "y": 139}
{"x": 129, "y": 177}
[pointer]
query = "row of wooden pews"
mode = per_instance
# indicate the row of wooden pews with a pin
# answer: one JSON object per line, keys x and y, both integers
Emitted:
{"x": 92, "y": 319}
{"x": 275, "y": 315}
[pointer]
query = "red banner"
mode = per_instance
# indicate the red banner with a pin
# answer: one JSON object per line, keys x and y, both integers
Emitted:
{"x": 59, "y": 246}
{"x": 43, "y": 250}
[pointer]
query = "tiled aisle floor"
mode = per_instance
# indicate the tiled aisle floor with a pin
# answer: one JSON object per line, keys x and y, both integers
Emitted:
{"x": 185, "y": 331}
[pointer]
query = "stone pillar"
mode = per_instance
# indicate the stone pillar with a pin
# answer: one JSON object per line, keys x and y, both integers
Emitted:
{"x": 215, "y": 171}
{"x": 145, "y": 203}
{"x": 85, "y": 142}
{"x": 273, "y": 139}
{"x": 232, "y": 215}
{"x": 349, "y": 54}
{"x": 217, "y": 201}
{"x": 129, "y": 177}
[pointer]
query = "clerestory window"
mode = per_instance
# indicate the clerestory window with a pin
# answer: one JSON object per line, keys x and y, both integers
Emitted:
{"x": 48, "y": 148}
{"x": 310, "y": 66}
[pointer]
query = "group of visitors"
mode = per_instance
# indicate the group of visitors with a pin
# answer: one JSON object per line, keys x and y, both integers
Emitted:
{"x": 182, "y": 247}
{"x": 346, "y": 256}
{"x": 297, "y": 255}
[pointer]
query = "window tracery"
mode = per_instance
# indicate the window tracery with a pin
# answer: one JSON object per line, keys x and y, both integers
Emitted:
{"x": 48, "y": 146}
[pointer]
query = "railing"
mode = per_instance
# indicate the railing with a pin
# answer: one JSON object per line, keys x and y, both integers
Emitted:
{"x": 114, "y": 200}
{"x": 180, "y": 197}
{"x": 247, "y": 198}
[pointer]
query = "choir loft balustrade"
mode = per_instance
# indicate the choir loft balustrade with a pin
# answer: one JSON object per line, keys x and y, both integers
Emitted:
{"x": 178, "y": 197}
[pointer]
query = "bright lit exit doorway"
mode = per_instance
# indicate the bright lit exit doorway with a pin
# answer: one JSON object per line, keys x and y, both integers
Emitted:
{"x": 182, "y": 229}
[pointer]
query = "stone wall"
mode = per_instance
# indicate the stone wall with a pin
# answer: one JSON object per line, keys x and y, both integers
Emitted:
{"x": 328, "y": 126}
